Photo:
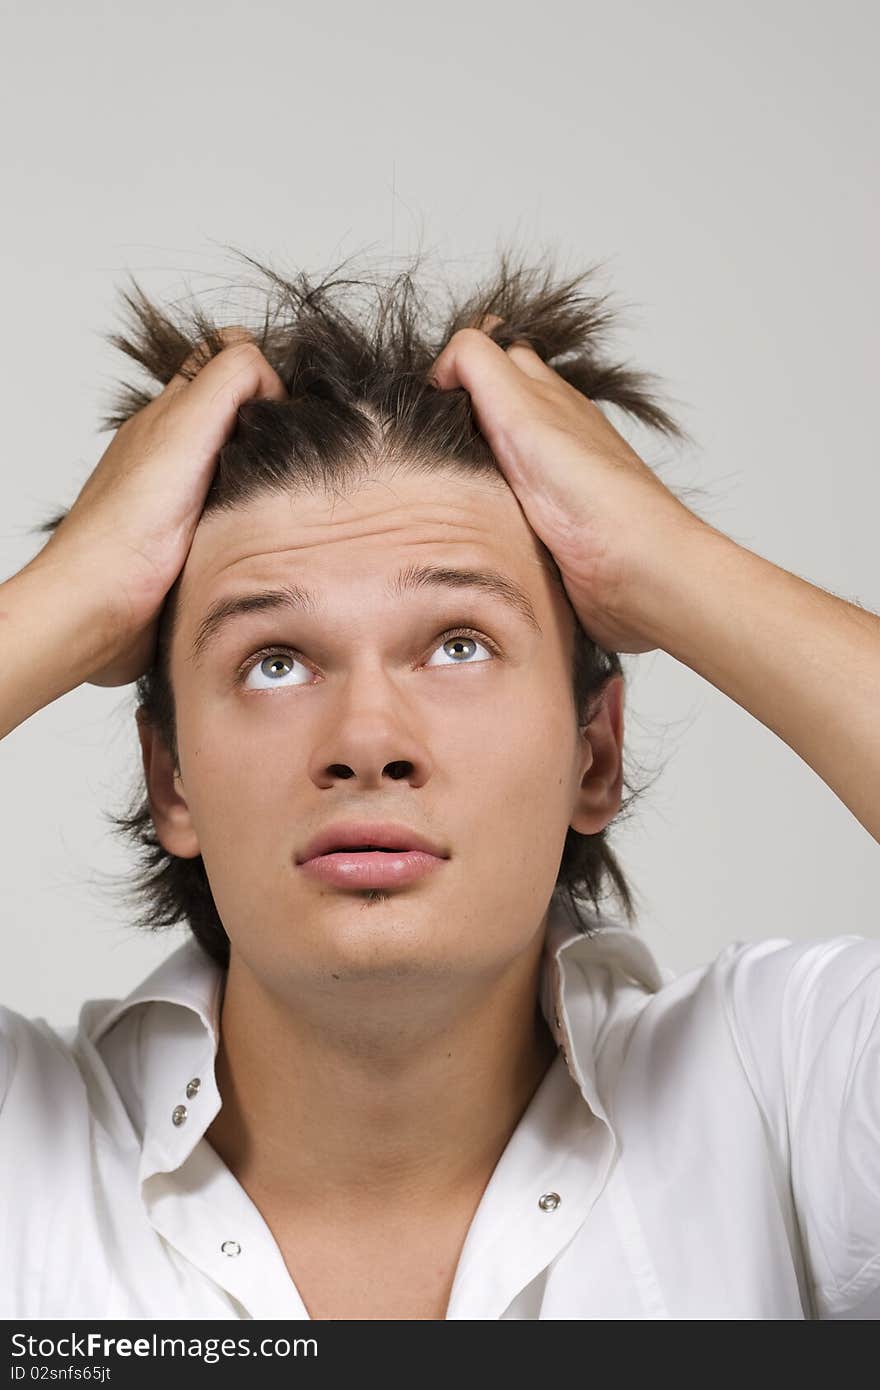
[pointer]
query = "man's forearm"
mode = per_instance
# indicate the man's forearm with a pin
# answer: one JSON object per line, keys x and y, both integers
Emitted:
{"x": 55, "y": 627}
{"x": 803, "y": 662}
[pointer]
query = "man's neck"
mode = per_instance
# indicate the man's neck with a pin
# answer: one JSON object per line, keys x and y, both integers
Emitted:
{"x": 413, "y": 1098}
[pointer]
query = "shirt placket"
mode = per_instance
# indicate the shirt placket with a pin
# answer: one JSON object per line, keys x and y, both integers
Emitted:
{"x": 540, "y": 1193}
{"x": 206, "y": 1215}
{"x": 192, "y": 1199}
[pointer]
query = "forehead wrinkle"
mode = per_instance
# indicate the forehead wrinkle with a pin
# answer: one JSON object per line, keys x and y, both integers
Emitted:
{"x": 367, "y": 528}
{"x": 445, "y": 521}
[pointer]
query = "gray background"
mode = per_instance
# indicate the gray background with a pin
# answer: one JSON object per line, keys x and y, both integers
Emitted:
{"x": 720, "y": 158}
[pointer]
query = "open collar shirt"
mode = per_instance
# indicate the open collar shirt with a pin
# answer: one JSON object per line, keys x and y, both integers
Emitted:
{"x": 703, "y": 1146}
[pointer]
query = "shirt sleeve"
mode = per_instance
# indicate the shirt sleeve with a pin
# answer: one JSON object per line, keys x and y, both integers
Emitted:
{"x": 806, "y": 1020}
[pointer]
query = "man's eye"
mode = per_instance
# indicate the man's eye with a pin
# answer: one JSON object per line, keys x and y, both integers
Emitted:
{"x": 272, "y": 664}
{"x": 462, "y": 643}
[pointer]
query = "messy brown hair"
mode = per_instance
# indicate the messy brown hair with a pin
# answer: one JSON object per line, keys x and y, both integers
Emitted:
{"x": 357, "y": 378}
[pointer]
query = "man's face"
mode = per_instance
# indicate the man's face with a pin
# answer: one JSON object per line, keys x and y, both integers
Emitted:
{"x": 362, "y": 708}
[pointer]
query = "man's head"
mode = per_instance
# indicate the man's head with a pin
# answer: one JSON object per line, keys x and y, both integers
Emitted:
{"x": 366, "y": 496}
{"x": 359, "y": 702}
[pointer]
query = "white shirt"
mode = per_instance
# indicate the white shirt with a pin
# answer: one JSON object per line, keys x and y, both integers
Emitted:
{"x": 712, "y": 1141}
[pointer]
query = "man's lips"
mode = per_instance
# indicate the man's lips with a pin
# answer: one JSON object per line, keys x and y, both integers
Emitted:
{"x": 371, "y": 868}
{"x": 338, "y": 855}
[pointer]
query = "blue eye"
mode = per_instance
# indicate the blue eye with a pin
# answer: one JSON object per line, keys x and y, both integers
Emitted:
{"x": 459, "y": 640}
{"x": 271, "y": 666}
{"x": 271, "y": 662}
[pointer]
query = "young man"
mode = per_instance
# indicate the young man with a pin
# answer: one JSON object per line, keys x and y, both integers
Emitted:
{"x": 417, "y": 1091}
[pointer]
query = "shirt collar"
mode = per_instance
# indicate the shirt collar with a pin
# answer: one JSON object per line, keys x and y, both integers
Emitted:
{"x": 177, "y": 1086}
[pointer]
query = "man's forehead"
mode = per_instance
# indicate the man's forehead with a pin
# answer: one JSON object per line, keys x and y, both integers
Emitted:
{"x": 339, "y": 536}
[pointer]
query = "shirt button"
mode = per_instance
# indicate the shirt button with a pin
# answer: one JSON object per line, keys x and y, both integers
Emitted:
{"x": 192, "y": 1087}
{"x": 231, "y": 1247}
{"x": 178, "y": 1115}
{"x": 549, "y": 1201}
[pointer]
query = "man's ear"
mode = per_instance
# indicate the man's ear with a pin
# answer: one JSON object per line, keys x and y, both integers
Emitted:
{"x": 598, "y": 797}
{"x": 174, "y": 828}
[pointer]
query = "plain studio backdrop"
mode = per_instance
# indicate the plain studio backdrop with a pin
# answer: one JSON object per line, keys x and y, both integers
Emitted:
{"x": 718, "y": 159}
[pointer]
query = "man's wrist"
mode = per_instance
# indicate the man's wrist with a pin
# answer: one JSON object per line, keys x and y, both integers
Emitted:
{"x": 674, "y": 598}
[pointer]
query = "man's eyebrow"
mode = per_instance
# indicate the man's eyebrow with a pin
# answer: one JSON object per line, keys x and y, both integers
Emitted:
{"x": 408, "y": 580}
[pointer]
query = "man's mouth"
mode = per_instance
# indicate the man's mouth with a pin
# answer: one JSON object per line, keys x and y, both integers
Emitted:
{"x": 364, "y": 866}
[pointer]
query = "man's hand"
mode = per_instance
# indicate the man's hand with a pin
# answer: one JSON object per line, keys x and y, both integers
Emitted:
{"x": 642, "y": 571}
{"x": 610, "y": 524}
{"x": 127, "y": 535}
